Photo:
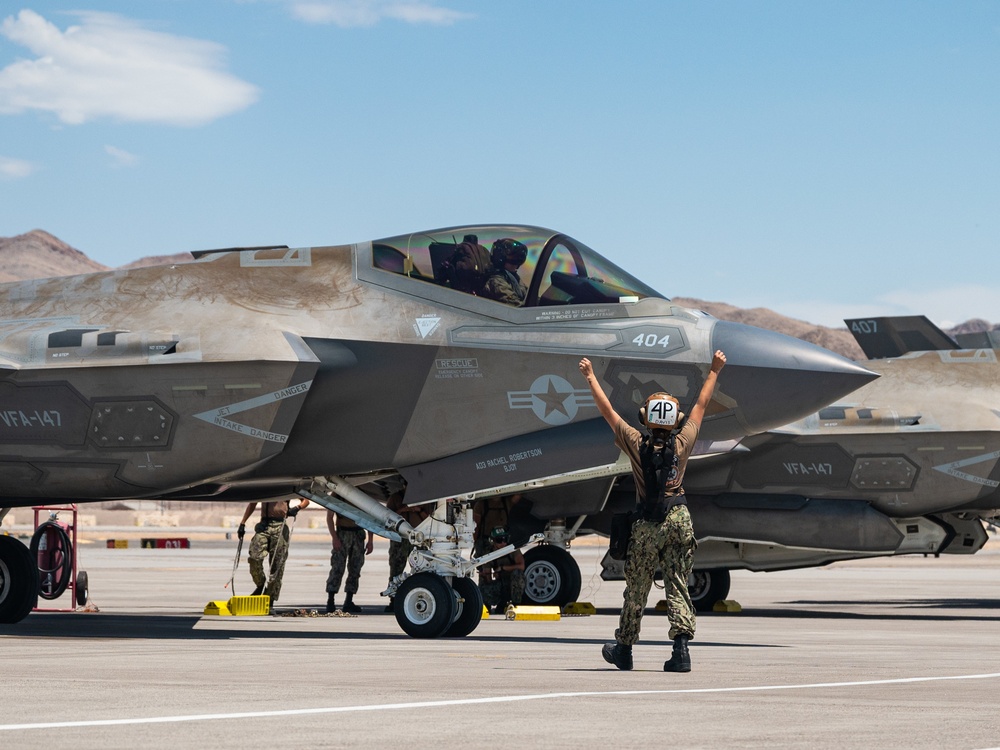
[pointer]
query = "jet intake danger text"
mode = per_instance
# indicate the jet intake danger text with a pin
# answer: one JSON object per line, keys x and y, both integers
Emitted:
{"x": 508, "y": 462}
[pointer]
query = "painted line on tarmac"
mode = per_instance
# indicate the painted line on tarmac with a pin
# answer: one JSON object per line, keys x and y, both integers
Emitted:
{"x": 475, "y": 702}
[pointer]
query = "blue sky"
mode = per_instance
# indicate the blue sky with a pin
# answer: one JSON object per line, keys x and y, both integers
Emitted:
{"x": 822, "y": 159}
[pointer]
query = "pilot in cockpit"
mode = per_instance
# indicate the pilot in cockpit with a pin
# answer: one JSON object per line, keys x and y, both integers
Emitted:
{"x": 503, "y": 284}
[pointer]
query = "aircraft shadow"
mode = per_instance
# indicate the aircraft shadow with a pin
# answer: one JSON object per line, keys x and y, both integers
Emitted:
{"x": 801, "y": 608}
{"x": 183, "y": 627}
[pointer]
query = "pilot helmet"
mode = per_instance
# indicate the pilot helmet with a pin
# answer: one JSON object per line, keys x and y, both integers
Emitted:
{"x": 507, "y": 250}
{"x": 661, "y": 412}
{"x": 500, "y": 535}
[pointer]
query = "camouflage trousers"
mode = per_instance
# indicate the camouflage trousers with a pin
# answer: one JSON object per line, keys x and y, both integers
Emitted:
{"x": 507, "y": 587}
{"x": 351, "y": 555}
{"x": 271, "y": 541}
{"x": 399, "y": 553}
{"x": 669, "y": 545}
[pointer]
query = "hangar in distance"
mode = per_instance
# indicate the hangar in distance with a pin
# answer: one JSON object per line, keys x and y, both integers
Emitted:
{"x": 255, "y": 373}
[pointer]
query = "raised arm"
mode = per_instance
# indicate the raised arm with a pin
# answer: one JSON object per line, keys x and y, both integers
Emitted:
{"x": 600, "y": 399}
{"x": 708, "y": 388}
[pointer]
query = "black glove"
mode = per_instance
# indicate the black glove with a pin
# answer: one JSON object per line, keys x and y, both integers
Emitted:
{"x": 292, "y": 512}
{"x": 241, "y": 531}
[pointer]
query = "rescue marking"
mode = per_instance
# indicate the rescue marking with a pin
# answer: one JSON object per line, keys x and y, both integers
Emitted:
{"x": 553, "y": 399}
{"x": 952, "y": 469}
{"x": 218, "y": 416}
{"x": 474, "y": 702}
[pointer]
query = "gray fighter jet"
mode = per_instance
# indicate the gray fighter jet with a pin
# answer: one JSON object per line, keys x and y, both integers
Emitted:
{"x": 257, "y": 373}
{"x": 908, "y": 464}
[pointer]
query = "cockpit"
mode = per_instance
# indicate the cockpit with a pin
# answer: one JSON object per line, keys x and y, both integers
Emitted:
{"x": 558, "y": 270}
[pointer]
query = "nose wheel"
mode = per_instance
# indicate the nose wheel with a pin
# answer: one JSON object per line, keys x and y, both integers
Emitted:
{"x": 425, "y": 605}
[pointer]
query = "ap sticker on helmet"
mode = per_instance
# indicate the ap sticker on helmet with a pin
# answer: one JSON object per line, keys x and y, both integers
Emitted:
{"x": 661, "y": 412}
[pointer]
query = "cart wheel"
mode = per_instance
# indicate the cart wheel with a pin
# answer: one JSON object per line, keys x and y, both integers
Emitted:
{"x": 82, "y": 589}
{"x": 52, "y": 551}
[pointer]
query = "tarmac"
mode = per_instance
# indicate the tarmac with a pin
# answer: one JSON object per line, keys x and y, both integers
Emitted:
{"x": 888, "y": 653}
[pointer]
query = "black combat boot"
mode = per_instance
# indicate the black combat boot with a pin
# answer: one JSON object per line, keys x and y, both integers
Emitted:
{"x": 331, "y": 605}
{"x": 258, "y": 591}
{"x": 618, "y": 654}
{"x": 680, "y": 660}
{"x": 350, "y": 606}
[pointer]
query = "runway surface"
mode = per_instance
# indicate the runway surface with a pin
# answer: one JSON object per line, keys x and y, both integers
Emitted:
{"x": 880, "y": 653}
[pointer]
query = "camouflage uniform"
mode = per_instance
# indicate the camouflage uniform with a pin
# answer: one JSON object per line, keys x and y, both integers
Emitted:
{"x": 507, "y": 588}
{"x": 270, "y": 539}
{"x": 505, "y": 286}
{"x": 399, "y": 553}
{"x": 670, "y": 546}
{"x": 350, "y": 555}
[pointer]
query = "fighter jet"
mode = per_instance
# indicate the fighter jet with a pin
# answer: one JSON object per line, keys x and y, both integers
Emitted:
{"x": 256, "y": 373}
{"x": 908, "y": 464}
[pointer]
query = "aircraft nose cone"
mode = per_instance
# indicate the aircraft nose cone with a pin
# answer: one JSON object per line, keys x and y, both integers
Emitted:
{"x": 776, "y": 379}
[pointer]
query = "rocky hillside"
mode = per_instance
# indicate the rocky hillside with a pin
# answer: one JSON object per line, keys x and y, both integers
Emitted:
{"x": 38, "y": 254}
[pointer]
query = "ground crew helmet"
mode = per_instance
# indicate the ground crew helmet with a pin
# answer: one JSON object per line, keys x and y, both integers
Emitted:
{"x": 500, "y": 535}
{"x": 660, "y": 412}
{"x": 507, "y": 250}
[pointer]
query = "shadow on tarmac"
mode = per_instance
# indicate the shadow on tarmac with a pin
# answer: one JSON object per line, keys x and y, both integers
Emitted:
{"x": 183, "y": 627}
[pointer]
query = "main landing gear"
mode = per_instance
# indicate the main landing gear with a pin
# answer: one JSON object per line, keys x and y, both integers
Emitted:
{"x": 18, "y": 581}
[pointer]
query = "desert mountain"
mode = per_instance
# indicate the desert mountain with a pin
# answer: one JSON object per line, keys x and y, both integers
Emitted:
{"x": 38, "y": 254}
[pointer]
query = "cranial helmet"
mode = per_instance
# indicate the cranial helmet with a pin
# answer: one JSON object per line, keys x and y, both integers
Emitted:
{"x": 660, "y": 412}
{"x": 508, "y": 251}
{"x": 499, "y": 535}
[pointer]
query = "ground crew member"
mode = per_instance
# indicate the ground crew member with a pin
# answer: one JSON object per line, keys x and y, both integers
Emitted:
{"x": 270, "y": 539}
{"x": 502, "y": 580}
{"x": 399, "y": 552}
{"x": 349, "y": 550}
{"x": 489, "y": 513}
{"x": 662, "y": 533}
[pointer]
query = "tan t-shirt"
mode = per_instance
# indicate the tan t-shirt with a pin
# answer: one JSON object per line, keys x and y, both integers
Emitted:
{"x": 276, "y": 511}
{"x": 629, "y": 440}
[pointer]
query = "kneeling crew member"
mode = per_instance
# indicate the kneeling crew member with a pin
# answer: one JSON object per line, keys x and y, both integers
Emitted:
{"x": 662, "y": 533}
{"x": 502, "y": 580}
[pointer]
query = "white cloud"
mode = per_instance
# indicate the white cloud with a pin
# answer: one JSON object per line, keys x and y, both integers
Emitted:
{"x": 946, "y": 306}
{"x": 121, "y": 157}
{"x": 351, "y": 13}
{"x": 14, "y": 169}
{"x": 110, "y": 66}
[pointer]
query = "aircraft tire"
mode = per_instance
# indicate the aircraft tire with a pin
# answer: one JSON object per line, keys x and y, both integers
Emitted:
{"x": 18, "y": 581}
{"x": 425, "y": 606}
{"x": 469, "y": 612}
{"x": 708, "y": 587}
{"x": 82, "y": 588}
{"x": 551, "y": 576}
{"x": 53, "y": 559}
